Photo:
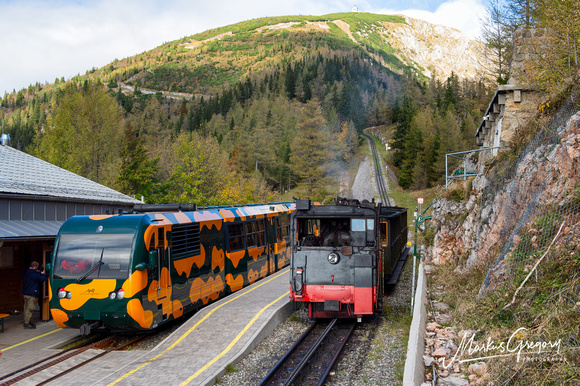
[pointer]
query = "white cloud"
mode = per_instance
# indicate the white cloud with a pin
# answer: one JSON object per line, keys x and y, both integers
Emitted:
{"x": 463, "y": 15}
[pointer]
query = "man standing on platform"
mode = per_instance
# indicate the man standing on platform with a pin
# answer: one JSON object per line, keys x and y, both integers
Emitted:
{"x": 30, "y": 289}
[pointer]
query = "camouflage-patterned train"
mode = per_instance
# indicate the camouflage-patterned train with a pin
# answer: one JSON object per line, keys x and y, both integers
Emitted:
{"x": 138, "y": 271}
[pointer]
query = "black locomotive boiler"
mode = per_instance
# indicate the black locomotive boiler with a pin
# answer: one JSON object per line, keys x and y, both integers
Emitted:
{"x": 344, "y": 255}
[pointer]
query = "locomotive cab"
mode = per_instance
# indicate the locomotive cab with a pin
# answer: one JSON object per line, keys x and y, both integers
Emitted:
{"x": 338, "y": 257}
{"x": 335, "y": 260}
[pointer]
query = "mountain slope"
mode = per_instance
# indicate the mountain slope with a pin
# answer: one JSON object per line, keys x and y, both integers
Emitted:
{"x": 205, "y": 63}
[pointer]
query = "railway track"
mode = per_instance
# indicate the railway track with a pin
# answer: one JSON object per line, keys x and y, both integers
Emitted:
{"x": 383, "y": 194}
{"x": 107, "y": 344}
{"x": 311, "y": 358}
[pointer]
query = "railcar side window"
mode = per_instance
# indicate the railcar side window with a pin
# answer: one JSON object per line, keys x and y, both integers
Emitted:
{"x": 261, "y": 233}
{"x": 251, "y": 234}
{"x": 277, "y": 230}
{"x": 283, "y": 228}
{"x": 255, "y": 233}
{"x": 236, "y": 236}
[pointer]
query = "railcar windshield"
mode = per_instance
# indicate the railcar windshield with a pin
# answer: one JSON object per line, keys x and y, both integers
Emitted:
{"x": 318, "y": 232}
{"x": 108, "y": 254}
{"x": 335, "y": 232}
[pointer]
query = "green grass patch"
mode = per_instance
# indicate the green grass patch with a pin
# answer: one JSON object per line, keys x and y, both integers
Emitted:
{"x": 294, "y": 318}
{"x": 230, "y": 368}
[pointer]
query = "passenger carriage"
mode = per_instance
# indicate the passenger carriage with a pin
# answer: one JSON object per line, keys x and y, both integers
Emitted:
{"x": 138, "y": 271}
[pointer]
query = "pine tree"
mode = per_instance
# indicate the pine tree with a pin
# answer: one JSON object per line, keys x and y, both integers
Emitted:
{"x": 139, "y": 172}
{"x": 557, "y": 59}
{"x": 309, "y": 152}
{"x": 497, "y": 34}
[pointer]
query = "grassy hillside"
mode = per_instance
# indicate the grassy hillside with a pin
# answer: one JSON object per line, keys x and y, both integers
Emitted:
{"x": 206, "y": 62}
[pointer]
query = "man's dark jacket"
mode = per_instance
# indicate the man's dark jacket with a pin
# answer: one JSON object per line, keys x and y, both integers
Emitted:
{"x": 30, "y": 280}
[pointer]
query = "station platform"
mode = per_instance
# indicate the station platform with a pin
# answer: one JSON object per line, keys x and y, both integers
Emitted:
{"x": 197, "y": 353}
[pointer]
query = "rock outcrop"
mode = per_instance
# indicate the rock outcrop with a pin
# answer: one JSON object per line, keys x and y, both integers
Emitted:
{"x": 437, "y": 49}
{"x": 488, "y": 224}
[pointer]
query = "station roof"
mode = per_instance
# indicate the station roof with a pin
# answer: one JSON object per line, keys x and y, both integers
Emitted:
{"x": 21, "y": 173}
{"x": 28, "y": 230}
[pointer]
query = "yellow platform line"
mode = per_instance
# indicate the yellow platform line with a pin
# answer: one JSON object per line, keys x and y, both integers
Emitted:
{"x": 232, "y": 344}
{"x": 30, "y": 340}
{"x": 193, "y": 328}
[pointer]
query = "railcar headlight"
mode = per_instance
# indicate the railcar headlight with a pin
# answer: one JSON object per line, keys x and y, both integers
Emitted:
{"x": 333, "y": 258}
{"x": 68, "y": 295}
{"x": 61, "y": 293}
{"x": 119, "y": 294}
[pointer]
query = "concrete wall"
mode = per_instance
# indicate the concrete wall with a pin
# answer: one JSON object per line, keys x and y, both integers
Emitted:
{"x": 414, "y": 365}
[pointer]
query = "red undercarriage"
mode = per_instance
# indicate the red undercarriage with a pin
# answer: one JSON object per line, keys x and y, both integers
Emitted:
{"x": 354, "y": 301}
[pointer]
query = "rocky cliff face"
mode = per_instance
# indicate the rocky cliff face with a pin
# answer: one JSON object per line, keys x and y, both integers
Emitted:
{"x": 504, "y": 206}
{"x": 507, "y": 247}
{"x": 437, "y": 50}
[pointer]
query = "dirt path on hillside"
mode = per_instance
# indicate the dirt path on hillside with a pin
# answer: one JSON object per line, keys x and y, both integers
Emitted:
{"x": 345, "y": 28}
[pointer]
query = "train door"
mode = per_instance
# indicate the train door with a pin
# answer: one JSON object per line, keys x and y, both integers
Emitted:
{"x": 282, "y": 240}
{"x": 270, "y": 243}
{"x": 384, "y": 245}
{"x": 164, "y": 301}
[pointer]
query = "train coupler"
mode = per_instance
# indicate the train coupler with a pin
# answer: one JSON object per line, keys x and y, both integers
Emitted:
{"x": 87, "y": 328}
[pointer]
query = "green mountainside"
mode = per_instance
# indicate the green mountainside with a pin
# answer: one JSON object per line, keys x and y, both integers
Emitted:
{"x": 260, "y": 110}
{"x": 206, "y": 62}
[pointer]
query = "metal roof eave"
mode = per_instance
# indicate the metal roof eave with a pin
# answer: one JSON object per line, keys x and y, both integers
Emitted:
{"x": 23, "y": 196}
{"x": 24, "y": 229}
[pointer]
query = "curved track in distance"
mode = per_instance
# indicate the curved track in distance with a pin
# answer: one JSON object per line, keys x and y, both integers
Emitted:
{"x": 381, "y": 186}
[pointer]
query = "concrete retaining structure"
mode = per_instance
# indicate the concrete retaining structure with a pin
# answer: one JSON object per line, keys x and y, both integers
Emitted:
{"x": 414, "y": 365}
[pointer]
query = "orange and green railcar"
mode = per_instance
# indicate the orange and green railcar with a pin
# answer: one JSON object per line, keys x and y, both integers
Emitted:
{"x": 138, "y": 271}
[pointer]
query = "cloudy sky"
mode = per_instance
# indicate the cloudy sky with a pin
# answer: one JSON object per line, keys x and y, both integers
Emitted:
{"x": 41, "y": 40}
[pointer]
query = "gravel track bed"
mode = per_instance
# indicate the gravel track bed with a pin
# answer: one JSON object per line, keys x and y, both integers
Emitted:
{"x": 375, "y": 354}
